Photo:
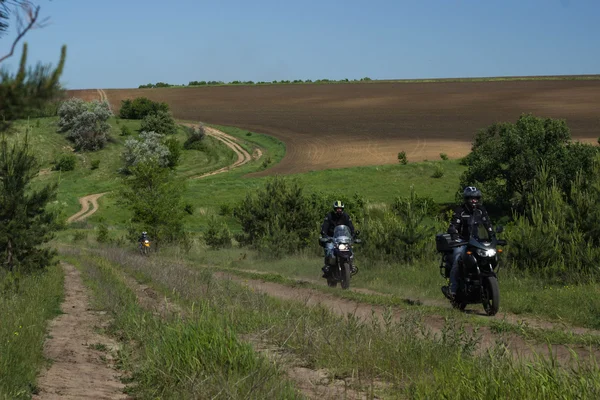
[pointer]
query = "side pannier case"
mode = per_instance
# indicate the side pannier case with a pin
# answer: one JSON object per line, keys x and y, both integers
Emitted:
{"x": 442, "y": 242}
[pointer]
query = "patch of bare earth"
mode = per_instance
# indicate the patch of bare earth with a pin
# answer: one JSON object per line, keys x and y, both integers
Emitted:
{"x": 82, "y": 360}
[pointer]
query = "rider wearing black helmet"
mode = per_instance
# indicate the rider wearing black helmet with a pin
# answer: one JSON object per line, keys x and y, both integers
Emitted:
{"x": 459, "y": 225}
{"x": 333, "y": 219}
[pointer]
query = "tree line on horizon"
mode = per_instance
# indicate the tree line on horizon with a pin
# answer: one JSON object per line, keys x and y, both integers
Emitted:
{"x": 240, "y": 82}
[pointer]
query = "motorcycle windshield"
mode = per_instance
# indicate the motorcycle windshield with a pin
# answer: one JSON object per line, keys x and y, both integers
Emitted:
{"x": 477, "y": 230}
{"x": 342, "y": 234}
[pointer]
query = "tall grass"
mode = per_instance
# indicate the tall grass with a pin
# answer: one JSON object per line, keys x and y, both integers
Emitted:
{"x": 408, "y": 358}
{"x": 23, "y": 320}
{"x": 177, "y": 358}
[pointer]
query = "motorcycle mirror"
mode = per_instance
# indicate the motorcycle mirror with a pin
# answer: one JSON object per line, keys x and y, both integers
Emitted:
{"x": 499, "y": 229}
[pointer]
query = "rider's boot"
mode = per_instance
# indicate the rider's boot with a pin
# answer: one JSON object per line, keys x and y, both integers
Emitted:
{"x": 325, "y": 270}
{"x": 449, "y": 295}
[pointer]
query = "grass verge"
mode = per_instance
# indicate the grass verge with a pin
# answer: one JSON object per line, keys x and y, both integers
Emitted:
{"x": 175, "y": 358}
{"x": 398, "y": 359}
{"x": 24, "y": 317}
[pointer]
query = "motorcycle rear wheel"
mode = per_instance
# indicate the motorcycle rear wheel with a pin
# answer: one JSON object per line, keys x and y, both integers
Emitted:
{"x": 491, "y": 296}
{"x": 346, "y": 273}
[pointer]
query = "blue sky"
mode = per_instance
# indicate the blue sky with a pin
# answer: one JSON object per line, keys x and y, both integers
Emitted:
{"x": 119, "y": 44}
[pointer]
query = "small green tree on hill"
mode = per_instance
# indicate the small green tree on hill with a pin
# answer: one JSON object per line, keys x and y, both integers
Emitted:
{"x": 154, "y": 197}
{"x": 27, "y": 224}
{"x": 140, "y": 107}
{"x": 160, "y": 122}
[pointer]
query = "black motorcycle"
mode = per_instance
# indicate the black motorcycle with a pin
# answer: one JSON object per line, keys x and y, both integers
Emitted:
{"x": 341, "y": 264}
{"x": 478, "y": 268}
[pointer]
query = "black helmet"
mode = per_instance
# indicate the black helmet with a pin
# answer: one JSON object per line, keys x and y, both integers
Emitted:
{"x": 472, "y": 196}
{"x": 338, "y": 206}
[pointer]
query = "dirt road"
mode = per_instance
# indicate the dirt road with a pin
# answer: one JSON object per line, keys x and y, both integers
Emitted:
{"x": 243, "y": 156}
{"x": 81, "y": 358}
{"x": 85, "y": 211}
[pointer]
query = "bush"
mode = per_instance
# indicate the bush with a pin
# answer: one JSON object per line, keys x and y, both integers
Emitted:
{"x": 402, "y": 158}
{"x": 95, "y": 164}
{"x": 444, "y": 156}
{"x": 86, "y": 123}
{"x": 125, "y": 131}
{"x": 102, "y": 235}
{"x": 406, "y": 233}
{"x": 174, "y": 151}
{"x": 280, "y": 214}
{"x": 194, "y": 137}
{"x": 149, "y": 146}
{"x": 65, "y": 162}
{"x": 225, "y": 210}
{"x": 68, "y": 112}
{"x": 558, "y": 236}
{"x": 438, "y": 171}
{"x": 161, "y": 122}
{"x": 217, "y": 236}
{"x": 78, "y": 236}
{"x": 140, "y": 107}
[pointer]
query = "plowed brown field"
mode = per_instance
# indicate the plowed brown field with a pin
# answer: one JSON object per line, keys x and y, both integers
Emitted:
{"x": 343, "y": 125}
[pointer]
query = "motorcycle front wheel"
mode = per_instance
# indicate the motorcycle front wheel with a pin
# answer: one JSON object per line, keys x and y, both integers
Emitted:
{"x": 346, "y": 273}
{"x": 491, "y": 295}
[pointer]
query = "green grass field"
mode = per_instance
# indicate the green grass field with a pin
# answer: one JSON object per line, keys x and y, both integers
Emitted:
{"x": 377, "y": 184}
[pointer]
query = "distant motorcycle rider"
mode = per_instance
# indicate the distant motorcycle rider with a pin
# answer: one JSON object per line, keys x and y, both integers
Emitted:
{"x": 459, "y": 225}
{"x": 143, "y": 238}
{"x": 333, "y": 219}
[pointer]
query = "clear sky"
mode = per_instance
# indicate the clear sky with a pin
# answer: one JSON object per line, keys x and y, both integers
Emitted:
{"x": 125, "y": 43}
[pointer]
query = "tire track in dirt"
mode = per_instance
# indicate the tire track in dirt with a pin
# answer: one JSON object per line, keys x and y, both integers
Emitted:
{"x": 103, "y": 96}
{"x": 472, "y": 309}
{"x": 80, "y": 369}
{"x": 85, "y": 211}
{"x": 518, "y": 347}
{"x": 243, "y": 156}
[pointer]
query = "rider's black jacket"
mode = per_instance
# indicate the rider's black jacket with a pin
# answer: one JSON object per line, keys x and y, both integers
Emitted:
{"x": 460, "y": 220}
{"x": 332, "y": 219}
{"x": 142, "y": 238}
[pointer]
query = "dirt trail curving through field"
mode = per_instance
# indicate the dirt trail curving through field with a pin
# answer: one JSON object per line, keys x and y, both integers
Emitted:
{"x": 81, "y": 358}
{"x": 85, "y": 211}
{"x": 243, "y": 156}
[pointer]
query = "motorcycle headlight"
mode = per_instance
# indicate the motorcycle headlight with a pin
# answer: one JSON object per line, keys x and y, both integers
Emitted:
{"x": 343, "y": 246}
{"x": 486, "y": 253}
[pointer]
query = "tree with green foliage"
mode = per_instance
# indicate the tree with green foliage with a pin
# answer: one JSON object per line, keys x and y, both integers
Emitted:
{"x": 27, "y": 223}
{"x": 29, "y": 90}
{"x": 139, "y": 107}
{"x": 86, "y": 123}
{"x": 280, "y": 218}
{"x": 161, "y": 122}
{"x": 154, "y": 197}
{"x": 149, "y": 146}
{"x": 505, "y": 157}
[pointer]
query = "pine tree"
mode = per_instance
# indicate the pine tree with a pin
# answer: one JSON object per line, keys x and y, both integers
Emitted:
{"x": 25, "y": 222}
